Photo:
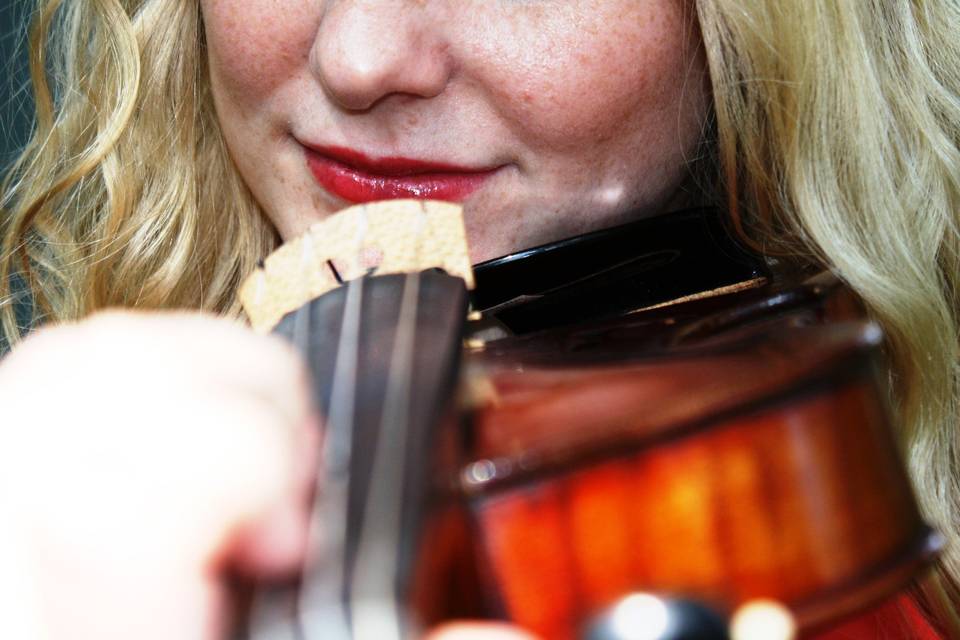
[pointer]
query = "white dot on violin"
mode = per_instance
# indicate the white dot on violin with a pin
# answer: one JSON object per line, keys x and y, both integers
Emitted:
{"x": 763, "y": 620}
{"x": 640, "y": 617}
{"x": 646, "y": 616}
{"x": 480, "y": 472}
{"x": 475, "y": 344}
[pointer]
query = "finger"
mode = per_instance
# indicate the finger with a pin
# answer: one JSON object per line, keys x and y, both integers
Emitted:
{"x": 175, "y": 445}
{"x": 184, "y": 414}
{"x": 479, "y": 631}
{"x": 274, "y": 541}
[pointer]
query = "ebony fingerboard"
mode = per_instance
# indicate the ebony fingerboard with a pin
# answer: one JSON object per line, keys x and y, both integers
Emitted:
{"x": 384, "y": 354}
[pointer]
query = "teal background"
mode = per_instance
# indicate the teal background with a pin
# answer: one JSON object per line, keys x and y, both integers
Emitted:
{"x": 16, "y": 105}
{"x": 16, "y": 108}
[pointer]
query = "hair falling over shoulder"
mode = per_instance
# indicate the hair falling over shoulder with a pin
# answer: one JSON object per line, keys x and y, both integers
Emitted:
{"x": 838, "y": 127}
{"x": 837, "y": 138}
{"x": 125, "y": 194}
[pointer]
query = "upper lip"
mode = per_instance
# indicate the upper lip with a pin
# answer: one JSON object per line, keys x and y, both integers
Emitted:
{"x": 389, "y": 166}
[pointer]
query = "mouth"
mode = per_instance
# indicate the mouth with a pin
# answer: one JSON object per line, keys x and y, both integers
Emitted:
{"x": 358, "y": 178}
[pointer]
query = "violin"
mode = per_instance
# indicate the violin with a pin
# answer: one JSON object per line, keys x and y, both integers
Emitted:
{"x": 644, "y": 416}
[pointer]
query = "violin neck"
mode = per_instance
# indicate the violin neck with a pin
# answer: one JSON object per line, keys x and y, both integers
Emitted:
{"x": 384, "y": 354}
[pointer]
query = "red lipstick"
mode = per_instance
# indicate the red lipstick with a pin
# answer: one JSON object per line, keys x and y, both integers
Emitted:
{"x": 356, "y": 177}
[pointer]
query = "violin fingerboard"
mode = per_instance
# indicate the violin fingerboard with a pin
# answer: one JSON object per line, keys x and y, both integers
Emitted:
{"x": 384, "y": 355}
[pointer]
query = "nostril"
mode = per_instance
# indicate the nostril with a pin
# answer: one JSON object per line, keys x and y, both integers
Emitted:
{"x": 360, "y": 58}
{"x": 352, "y": 86}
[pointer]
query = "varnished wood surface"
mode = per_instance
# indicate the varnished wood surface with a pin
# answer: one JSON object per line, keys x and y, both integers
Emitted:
{"x": 754, "y": 459}
{"x": 804, "y": 504}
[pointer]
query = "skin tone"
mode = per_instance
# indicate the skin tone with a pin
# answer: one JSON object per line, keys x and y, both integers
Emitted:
{"x": 118, "y": 518}
{"x": 589, "y": 111}
{"x": 121, "y": 519}
{"x": 585, "y": 111}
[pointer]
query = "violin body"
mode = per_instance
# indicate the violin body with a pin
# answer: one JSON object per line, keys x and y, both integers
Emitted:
{"x": 722, "y": 450}
{"x": 650, "y": 410}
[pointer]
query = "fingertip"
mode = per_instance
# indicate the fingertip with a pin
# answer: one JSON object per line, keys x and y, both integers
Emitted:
{"x": 276, "y": 545}
{"x": 480, "y": 631}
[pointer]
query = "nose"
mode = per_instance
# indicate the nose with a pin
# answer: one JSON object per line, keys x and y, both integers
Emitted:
{"x": 366, "y": 50}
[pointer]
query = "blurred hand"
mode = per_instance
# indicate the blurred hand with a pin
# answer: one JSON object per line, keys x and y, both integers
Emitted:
{"x": 139, "y": 456}
{"x": 479, "y": 631}
{"x": 142, "y": 455}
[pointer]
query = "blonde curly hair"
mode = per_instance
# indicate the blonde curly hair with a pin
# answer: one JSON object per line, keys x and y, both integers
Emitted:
{"x": 838, "y": 139}
{"x": 125, "y": 194}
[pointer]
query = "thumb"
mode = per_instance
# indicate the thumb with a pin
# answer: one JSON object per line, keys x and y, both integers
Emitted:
{"x": 479, "y": 631}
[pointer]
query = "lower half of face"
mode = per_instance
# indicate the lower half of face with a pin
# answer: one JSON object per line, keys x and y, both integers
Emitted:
{"x": 546, "y": 118}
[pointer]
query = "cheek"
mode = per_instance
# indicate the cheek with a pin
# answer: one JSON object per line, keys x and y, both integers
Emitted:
{"x": 254, "y": 47}
{"x": 585, "y": 82}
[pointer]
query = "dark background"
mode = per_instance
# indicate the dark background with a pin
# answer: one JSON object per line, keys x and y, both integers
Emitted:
{"x": 15, "y": 104}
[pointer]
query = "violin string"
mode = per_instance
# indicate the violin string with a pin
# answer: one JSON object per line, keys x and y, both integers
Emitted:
{"x": 325, "y": 583}
{"x": 269, "y": 609}
{"x": 269, "y": 617}
{"x": 370, "y": 597}
{"x": 320, "y": 602}
{"x": 374, "y": 608}
{"x": 301, "y": 328}
{"x": 374, "y": 612}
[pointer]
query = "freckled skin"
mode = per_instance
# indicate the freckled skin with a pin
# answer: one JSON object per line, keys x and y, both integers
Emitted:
{"x": 590, "y": 107}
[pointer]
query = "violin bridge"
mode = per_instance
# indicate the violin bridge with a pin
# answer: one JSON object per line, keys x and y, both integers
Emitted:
{"x": 380, "y": 238}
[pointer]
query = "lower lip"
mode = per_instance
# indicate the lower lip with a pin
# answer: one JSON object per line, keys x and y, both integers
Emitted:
{"x": 355, "y": 185}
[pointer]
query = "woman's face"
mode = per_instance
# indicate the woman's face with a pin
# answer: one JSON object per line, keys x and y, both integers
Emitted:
{"x": 546, "y": 118}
